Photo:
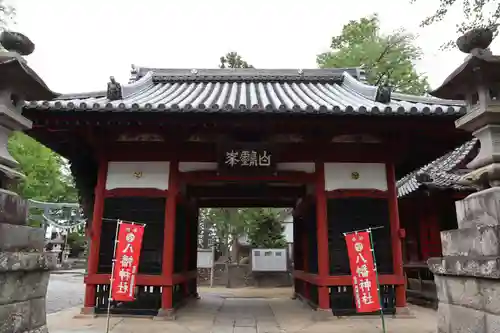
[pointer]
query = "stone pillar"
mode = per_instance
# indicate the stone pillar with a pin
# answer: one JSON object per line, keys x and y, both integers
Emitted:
{"x": 468, "y": 275}
{"x": 24, "y": 267}
{"x": 24, "y": 272}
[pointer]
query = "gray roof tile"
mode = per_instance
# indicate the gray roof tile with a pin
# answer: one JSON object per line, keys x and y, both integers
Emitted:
{"x": 442, "y": 170}
{"x": 249, "y": 90}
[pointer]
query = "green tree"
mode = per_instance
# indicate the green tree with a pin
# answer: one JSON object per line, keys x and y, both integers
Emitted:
{"x": 387, "y": 59}
{"x": 266, "y": 229}
{"x": 233, "y": 60}
{"x": 47, "y": 174}
{"x": 477, "y": 13}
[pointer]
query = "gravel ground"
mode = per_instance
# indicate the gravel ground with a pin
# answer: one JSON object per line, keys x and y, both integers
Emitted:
{"x": 65, "y": 291}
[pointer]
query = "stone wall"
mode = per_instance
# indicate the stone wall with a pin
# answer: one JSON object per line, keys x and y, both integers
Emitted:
{"x": 238, "y": 276}
{"x": 24, "y": 277}
{"x": 468, "y": 275}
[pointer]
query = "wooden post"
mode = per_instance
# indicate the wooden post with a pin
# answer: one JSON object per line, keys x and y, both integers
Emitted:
{"x": 397, "y": 252}
{"x": 95, "y": 233}
{"x": 188, "y": 243}
{"x": 322, "y": 235}
{"x": 169, "y": 235}
{"x": 305, "y": 265}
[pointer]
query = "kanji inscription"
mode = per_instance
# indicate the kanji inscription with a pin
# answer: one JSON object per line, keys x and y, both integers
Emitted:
{"x": 246, "y": 158}
{"x": 127, "y": 255}
{"x": 364, "y": 279}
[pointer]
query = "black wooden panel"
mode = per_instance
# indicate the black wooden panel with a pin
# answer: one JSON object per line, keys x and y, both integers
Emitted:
{"x": 342, "y": 300}
{"x": 134, "y": 209}
{"x": 147, "y": 301}
{"x": 349, "y": 214}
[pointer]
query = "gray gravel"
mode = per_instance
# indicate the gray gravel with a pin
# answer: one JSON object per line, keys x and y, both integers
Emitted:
{"x": 65, "y": 291}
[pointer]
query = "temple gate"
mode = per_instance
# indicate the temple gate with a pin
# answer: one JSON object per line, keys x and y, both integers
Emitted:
{"x": 321, "y": 141}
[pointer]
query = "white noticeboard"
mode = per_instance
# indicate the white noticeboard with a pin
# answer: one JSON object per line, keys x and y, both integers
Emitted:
{"x": 205, "y": 258}
{"x": 269, "y": 260}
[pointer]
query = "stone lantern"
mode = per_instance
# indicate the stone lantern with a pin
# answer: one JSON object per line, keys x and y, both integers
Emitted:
{"x": 24, "y": 268}
{"x": 468, "y": 275}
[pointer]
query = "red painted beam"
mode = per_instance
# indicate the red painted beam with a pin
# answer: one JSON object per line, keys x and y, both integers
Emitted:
{"x": 135, "y": 192}
{"x": 210, "y": 176}
{"x": 144, "y": 279}
{"x": 344, "y": 280}
{"x": 357, "y": 193}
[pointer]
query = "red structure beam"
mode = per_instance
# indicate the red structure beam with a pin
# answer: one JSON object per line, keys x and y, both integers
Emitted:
{"x": 397, "y": 249}
{"x": 145, "y": 279}
{"x": 169, "y": 236}
{"x": 95, "y": 232}
{"x": 343, "y": 280}
{"x": 322, "y": 235}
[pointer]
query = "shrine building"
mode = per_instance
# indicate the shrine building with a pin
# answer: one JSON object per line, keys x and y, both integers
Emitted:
{"x": 172, "y": 141}
{"x": 426, "y": 207}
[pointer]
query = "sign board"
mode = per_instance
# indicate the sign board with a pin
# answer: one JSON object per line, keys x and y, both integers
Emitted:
{"x": 128, "y": 250}
{"x": 269, "y": 260}
{"x": 244, "y": 158}
{"x": 364, "y": 275}
{"x": 205, "y": 258}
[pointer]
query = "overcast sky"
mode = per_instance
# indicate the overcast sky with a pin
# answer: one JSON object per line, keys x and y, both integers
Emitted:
{"x": 80, "y": 43}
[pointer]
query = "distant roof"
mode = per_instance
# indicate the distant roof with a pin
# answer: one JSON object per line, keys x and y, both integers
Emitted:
{"x": 443, "y": 171}
{"x": 310, "y": 91}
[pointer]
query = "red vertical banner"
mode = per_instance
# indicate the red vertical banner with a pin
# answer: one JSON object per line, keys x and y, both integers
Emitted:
{"x": 128, "y": 250}
{"x": 364, "y": 278}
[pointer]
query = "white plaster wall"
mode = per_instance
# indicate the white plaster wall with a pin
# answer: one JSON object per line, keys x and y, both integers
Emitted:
{"x": 152, "y": 175}
{"x": 288, "y": 232}
{"x": 371, "y": 176}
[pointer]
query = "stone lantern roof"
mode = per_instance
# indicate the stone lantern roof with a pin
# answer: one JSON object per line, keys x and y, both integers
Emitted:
{"x": 477, "y": 81}
{"x": 18, "y": 82}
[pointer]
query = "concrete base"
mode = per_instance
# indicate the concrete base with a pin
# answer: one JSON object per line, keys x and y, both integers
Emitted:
{"x": 165, "y": 314}
{"x": 322, "y": 315}
{"x": 404, "y": 312}
{"x": 86, "y": 312}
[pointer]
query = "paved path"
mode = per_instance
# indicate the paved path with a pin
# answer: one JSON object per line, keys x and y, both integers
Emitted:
{"x": 65, "y": 291}
{"x": 242, "y": 311}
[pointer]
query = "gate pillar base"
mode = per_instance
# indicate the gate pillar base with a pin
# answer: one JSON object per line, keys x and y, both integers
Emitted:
{"x": 404, "y": 312}
{"x": 88, "y": 311}
{"x": 322, "y": 314}
{"x": 165, "y": 314}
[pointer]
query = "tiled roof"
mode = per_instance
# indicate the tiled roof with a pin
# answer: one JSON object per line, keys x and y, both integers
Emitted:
{"x": 442, "y": 171}
{"x": 331, "y": 91}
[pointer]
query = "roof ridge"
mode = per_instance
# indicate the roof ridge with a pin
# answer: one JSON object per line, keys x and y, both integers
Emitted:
{"x": 235, "y": 74}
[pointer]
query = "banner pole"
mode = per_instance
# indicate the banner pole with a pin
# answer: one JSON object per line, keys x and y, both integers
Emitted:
{"x": 378, "y": 283}
{"x": 110, "y": 297}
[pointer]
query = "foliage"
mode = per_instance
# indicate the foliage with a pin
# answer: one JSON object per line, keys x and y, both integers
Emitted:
{"x": 387, "y": 59}
{"x": 47, "y": 175}
{"x": 77, "y": 242}
{"x": 266, "y": 230}
{"x": 477, "y": 13}
{"x": 228, "y": 224}
{"x": 233, "y": 60}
